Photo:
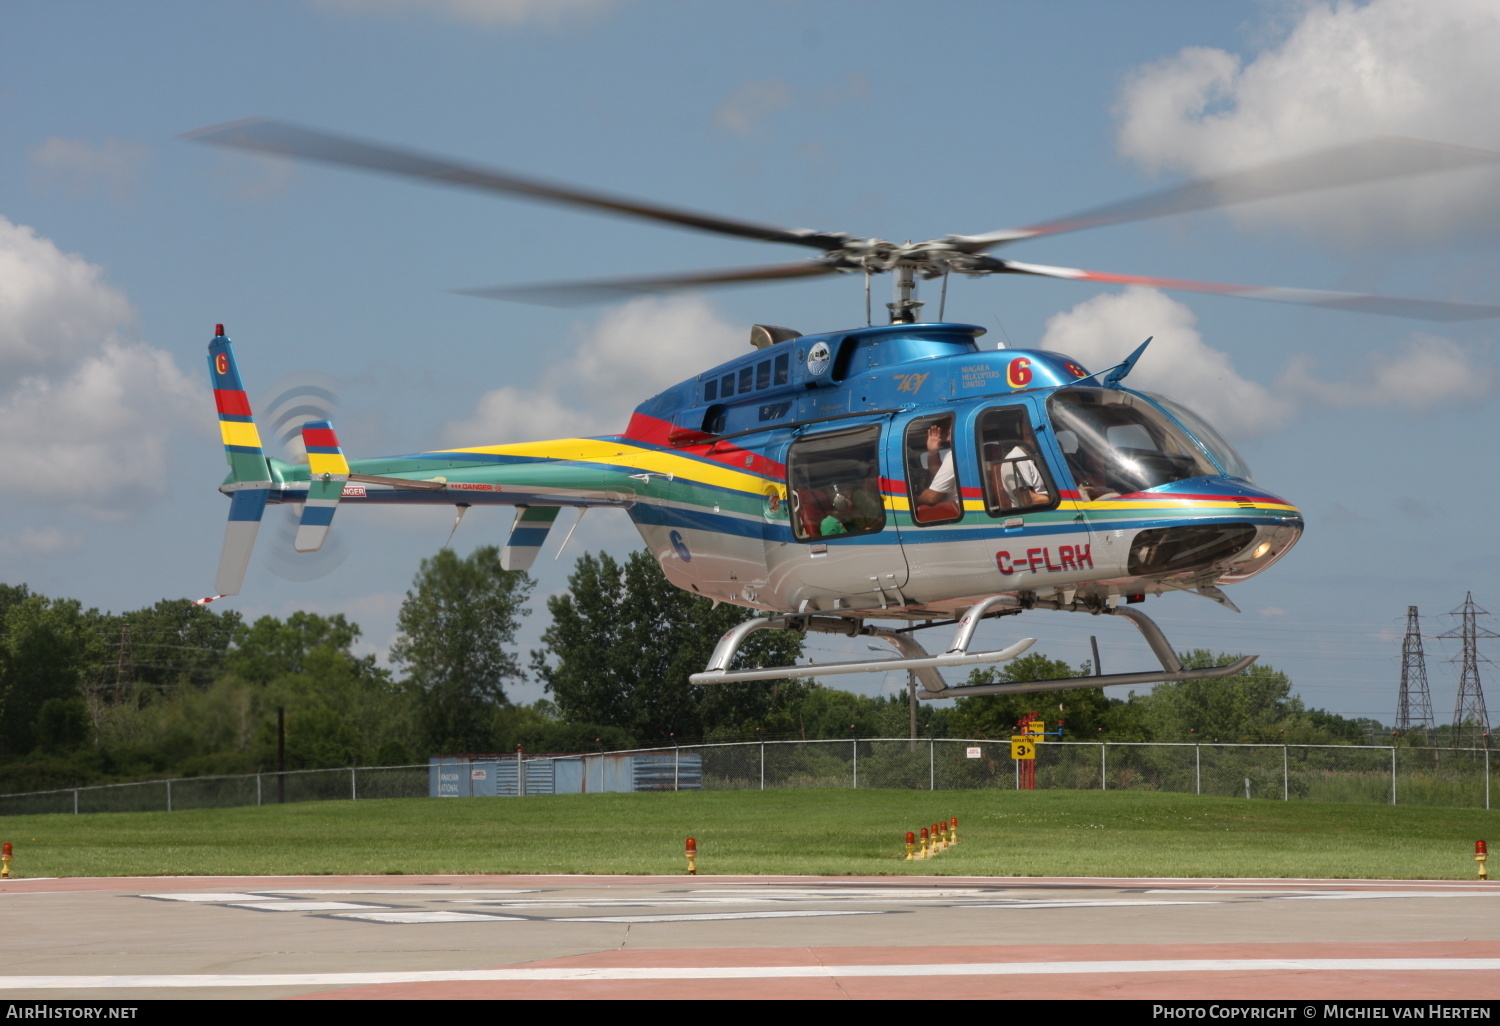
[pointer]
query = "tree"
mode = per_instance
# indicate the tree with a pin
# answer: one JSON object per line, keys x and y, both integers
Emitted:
{"x": 1254, "y": 706}
{"x": 171, "y": 644}
{"x": 454, "y": 626}
{"x": 47, "y": 648}
{"x": 1083, "y": 710}
{"x": 623, "y": 641}
{"x": 271, "y": 648}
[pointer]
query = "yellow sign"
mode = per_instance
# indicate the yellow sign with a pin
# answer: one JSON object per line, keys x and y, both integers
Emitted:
{"x": 1022, "y": 750}
{"x": 1036, "y": 726}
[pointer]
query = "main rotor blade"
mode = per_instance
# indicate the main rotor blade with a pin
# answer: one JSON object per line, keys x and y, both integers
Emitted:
{"x": 282, "y": 139}
{"x": 576, "y": 293}
{"x": 1391, "y": 306}
{"x": 1373, "y": 160}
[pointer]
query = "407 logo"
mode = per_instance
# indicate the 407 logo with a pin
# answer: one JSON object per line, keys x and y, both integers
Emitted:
{"x": 910, "y": 382}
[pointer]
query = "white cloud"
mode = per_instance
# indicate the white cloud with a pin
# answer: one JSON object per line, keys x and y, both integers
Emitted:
{"x": 53, "y": 307}
{"x": 1427, "y": 371}
{"x": 112, "y": 166}
{"x": 86, "y": 413}
{"x": 485, "y": 13}
{"x": 1102, "y": 331}
{"x": 631, "y": 353}
{"x": 745, "y": 110}
{"x": 40, "y": 541}
{"x": 1416, "y": 68}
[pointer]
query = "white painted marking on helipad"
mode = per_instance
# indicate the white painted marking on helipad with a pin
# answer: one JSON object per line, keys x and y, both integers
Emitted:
{"x": 1230, "y": 891}
{"x": 1389, "y": 894}
{"x": 1165, "y": 965}
{"x": 430, "y": 917}
{"x": 704, "y": 917}
{"x": 857, "y": 892}
{"x": 216, "y": 898}
{"x": 1101, "y": 903}
{"x": 432, "y": 892}
{"x": 648, "y": 902}
{"x": 304, "y": 906}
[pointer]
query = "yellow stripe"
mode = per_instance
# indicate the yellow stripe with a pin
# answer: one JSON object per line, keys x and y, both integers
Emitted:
{"x": 591, "y": 450}
{"x": 327, "y": 463}
{"x": 239, "y": 432}
{"x": 1165, "y": 504}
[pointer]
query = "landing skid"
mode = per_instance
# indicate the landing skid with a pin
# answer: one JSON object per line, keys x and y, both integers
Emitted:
{"x": 926, "y": 667}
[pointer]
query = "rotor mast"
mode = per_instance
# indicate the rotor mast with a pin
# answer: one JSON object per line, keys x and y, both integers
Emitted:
{"x": 905, "y": 307}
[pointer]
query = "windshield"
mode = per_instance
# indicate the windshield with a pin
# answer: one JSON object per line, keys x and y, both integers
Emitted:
{"x": 1218, "y": 447}
{"x": 1117, "y": 443}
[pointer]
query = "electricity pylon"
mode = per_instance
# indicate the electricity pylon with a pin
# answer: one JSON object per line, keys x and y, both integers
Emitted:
{"x": 1471, "y": 724}
{"x": 1414, "y": 707}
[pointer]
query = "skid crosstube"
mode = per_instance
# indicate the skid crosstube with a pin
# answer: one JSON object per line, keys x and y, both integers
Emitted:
{"x": 913, "y": 657}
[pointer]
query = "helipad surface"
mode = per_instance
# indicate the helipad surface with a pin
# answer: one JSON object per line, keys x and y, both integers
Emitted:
{"x": 748, "y": 937}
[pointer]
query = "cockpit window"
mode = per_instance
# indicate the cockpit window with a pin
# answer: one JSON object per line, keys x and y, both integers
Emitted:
{"x": 1013, "y": 474}
{"x": 1220, "y": 449}
{"x": 1117, "y": 443}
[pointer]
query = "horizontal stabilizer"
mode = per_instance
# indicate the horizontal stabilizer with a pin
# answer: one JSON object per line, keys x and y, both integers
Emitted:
{"x": 327, "y": 472}
{"x": 527, "y": 535}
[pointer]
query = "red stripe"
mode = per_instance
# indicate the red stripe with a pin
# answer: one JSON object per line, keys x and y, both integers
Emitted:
{"x": 654, "y": 431}
{"x": 232, "y": 402}
{"x": 648, "y": 429}
{"x": 321, "y": 437}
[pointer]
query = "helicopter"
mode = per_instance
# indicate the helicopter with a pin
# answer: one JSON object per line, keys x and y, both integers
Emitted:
{"x": 869, "y": 482}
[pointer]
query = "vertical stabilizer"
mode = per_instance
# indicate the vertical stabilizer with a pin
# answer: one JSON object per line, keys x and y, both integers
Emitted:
{"x": 249, "y": 475}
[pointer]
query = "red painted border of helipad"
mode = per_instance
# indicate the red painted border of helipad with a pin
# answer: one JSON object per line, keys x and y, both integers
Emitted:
{"x": 170, "y": 883}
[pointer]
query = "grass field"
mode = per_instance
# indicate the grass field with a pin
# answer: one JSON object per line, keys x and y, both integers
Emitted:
{"x": 834, "y": 832}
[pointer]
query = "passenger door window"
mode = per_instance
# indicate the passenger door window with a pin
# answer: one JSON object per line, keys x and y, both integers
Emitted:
{"x": 931, "y": 471}
{"x": 834, "y": 482}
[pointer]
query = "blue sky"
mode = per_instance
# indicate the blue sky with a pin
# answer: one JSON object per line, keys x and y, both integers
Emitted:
{"x": 122, "y": 247}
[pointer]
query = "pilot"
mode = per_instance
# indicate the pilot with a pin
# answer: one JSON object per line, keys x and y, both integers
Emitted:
{"x": 1021, "y": 478}
{"x": 1087, "y": 474}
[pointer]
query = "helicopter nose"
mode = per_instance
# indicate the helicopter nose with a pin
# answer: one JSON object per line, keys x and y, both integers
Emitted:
{"x": 1232, "y": 530}
{"x": 1277, "y": 527}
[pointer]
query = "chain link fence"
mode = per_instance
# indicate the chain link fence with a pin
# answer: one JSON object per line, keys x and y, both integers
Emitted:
{"x": 1455, "y": 777}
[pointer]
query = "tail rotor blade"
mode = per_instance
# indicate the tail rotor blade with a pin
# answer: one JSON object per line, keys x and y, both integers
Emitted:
{"x": 293, "y": 401}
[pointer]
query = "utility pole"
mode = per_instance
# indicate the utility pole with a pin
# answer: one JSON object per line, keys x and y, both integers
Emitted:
{"x": 1471, "y": 724}
{"x": 1414, "y": 706}
{"x": 125, "y": 664}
